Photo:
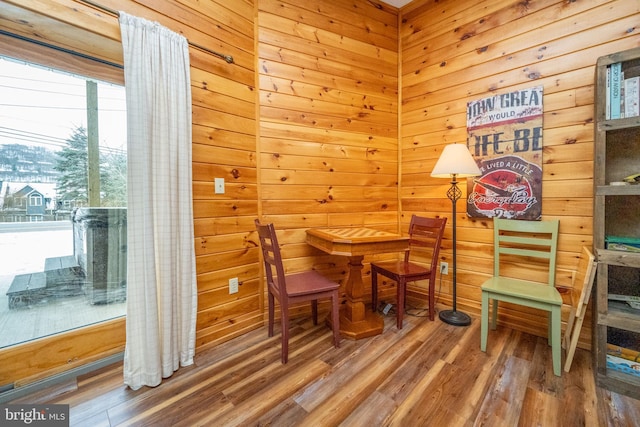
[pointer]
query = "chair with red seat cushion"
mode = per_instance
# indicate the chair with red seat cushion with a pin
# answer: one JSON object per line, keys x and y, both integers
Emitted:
{"x": 425, "y": 236}
{"x": 293, "y": 288}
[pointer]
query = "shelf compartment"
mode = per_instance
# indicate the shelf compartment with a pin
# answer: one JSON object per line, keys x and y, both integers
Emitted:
{"x": 624, "y": 280}
{"x": 621, "y": 216}
{"x": 621, "y": 155}
{"x": 623, "y": 352}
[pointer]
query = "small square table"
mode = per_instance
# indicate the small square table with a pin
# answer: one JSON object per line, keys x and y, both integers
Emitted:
{"x": 355, "y": 320}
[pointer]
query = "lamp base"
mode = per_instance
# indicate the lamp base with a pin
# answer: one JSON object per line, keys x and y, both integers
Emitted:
{"x": 455, "y": 318}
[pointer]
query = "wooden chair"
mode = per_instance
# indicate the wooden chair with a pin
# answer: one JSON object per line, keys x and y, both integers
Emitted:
{"x": 294, "y": 288}
{"x": 425, "y": 235}
{"x": 529, "y": 247}
{"x": 582, "y": 285}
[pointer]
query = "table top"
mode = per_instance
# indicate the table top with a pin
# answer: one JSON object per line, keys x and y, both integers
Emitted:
{"x": 356, "y": 241}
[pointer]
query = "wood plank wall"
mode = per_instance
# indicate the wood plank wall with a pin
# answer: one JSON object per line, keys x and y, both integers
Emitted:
{"x": 454, "y": 52}
{"x": 328, "y": 152}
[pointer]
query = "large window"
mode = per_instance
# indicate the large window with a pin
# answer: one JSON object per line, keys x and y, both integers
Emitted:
{"x": 62, "y": 201}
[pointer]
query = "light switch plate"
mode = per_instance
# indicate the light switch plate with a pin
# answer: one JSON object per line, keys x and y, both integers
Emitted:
{"x": 219, "y": 185}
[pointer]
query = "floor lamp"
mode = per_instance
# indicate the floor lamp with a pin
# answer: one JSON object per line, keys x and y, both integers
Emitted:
{"x": 455, "y": 162}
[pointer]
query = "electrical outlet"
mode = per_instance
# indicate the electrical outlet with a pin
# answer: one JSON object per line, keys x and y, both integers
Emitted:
{"x": 233, "y": 285}
{"x": 444, "y": 267}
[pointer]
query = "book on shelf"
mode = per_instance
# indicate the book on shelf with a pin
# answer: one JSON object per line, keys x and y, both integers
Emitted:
{"x": 623, "y": 365}
{"x": 608, "y": 95}
{"x": 616, "y": 81}
{"x": 622, "y": 95}
{"x": 631, "y": 300}
{"x": 632, "y": 97}
{"x": 621, "y": 243}
{"x": 622, "y": 91}
{"x": 623, "y": 352}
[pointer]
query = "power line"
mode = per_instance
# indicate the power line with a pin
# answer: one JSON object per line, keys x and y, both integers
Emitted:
{"x": 60, "y": 108}
{"x": 42, "y": 139}
{"x": 78, "y": 83}
{"x": 82, "y": 95}
{"x": 105, "y": 150}
{"x": 19, "y": 138}
{"x": 27, "y": 133}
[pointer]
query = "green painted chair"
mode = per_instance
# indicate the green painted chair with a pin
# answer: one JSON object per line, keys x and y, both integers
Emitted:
{"x": 529, "y": 248}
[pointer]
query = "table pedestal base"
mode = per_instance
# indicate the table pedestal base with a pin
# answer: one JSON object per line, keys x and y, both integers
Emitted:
{"x": 355, "y": 320}
{"x": 372, "y": 324}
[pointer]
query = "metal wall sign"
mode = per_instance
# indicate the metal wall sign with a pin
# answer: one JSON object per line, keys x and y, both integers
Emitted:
{"x": 504, "y": 135}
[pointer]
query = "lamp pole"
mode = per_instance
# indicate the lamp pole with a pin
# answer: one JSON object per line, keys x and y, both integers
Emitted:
{"x": 454, "y": 317}
{"x": 455, "y": 161}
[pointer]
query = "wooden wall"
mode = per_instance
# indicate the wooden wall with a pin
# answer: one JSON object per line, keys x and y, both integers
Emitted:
{"x": 314, "y": 145}
{"x": 455, "y": 52}
{"x": 327, "y": 151}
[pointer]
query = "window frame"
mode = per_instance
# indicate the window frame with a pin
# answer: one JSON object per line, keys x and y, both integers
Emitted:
{"x": 96, "y": 37}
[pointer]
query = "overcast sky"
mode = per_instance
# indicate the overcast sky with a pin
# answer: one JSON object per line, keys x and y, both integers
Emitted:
{"x": 43, "y": 107}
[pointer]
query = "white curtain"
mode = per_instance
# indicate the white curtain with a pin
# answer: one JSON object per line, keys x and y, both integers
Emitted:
{"x": 161, "y": 279}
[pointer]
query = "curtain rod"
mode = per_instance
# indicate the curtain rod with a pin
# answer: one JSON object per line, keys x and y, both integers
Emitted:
{"x": 227, "y": 58}
{"x": 60, "y": 49}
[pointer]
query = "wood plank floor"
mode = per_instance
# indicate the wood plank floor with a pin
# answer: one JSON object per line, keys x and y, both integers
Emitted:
{"x": 427, "y": 374}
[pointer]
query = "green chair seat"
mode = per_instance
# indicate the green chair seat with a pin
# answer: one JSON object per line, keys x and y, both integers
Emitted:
{"x": 517, "y": 288}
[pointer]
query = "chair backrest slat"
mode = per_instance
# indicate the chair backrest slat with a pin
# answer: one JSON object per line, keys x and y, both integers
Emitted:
{"x": 274, "y": 269}
{"x": 532, "y": 241}
{"x": 425, "y": 234}
{"x": 525, "y": 252}
{"x": 526, "y": 239}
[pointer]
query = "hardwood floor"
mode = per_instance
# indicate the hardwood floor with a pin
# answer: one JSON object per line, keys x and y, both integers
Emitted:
{"x": 427, "y": 374}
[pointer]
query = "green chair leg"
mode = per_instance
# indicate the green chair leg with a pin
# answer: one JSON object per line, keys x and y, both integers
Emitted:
{"x": 484, "y": 321}
{"x": 556, "y": 346}
{"x": 494, "y": 314}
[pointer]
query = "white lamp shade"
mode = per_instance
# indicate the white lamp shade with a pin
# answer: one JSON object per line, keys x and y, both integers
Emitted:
{"x": 455, "y": 160}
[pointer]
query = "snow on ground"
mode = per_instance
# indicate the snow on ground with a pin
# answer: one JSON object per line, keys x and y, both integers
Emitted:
{"x": 24, "y": 252}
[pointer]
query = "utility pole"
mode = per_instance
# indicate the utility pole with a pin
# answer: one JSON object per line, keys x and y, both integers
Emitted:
{"x": 93, "y": 152}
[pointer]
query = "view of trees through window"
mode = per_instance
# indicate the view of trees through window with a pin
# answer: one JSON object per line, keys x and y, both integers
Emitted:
{"x": 63, "y": 196}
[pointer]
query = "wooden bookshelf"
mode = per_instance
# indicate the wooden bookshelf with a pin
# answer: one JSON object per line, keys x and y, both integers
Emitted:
{"x": 616, "y": 216}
